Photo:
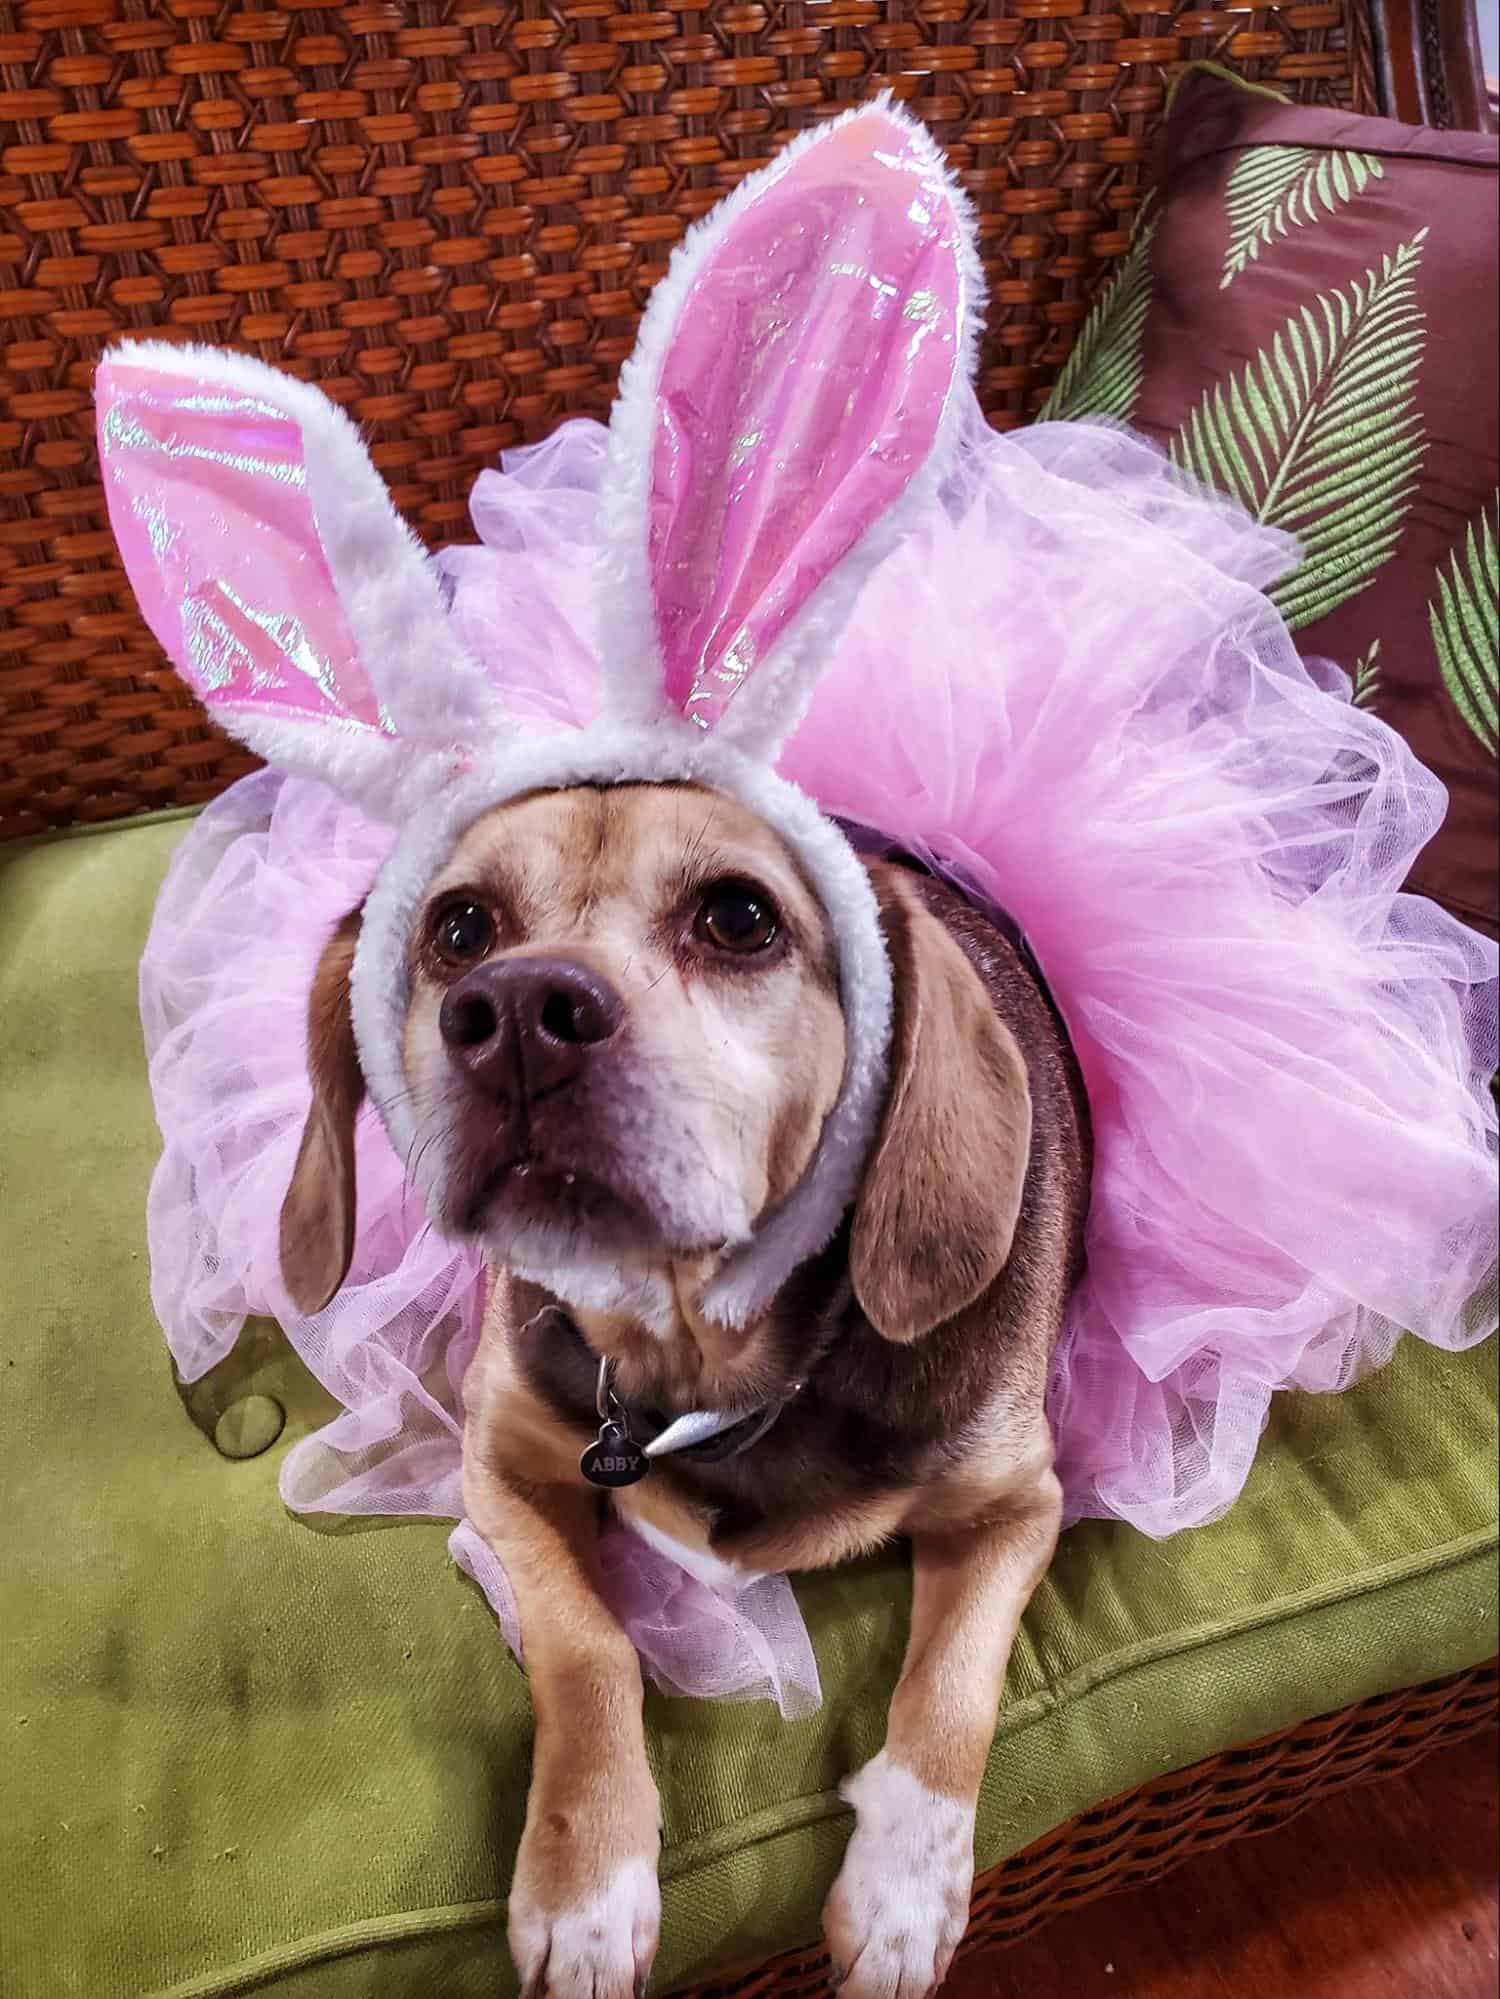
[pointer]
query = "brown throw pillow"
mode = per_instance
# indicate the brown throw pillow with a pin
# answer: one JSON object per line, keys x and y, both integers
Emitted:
{"x": 1308, "y": 319}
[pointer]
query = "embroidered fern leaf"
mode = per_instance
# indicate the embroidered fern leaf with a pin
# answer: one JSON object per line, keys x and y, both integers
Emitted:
{"x": 1320, "y": 434}
{"x": 1463, "y": 616}
{"x": 1367, "y": 677}
{"x": 1102, "y": 375}
{"x": 1273, "y": 189}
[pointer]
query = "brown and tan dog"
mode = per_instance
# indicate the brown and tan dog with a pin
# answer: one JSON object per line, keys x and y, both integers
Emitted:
{"x": 623, "y": 1038}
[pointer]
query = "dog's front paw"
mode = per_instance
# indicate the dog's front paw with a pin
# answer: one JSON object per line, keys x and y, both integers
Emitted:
{"x": 900, "y": 1904}
{"x": 581, "y": 1928}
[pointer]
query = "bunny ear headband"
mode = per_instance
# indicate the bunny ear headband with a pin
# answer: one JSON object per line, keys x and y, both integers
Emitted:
{"x": 792, "y": 398}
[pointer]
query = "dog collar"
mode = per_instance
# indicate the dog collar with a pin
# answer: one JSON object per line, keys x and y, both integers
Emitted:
{"x": 629, "y": 1438}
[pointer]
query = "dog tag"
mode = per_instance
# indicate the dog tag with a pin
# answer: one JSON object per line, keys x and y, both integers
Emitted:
{"x": 614, "y": 1458}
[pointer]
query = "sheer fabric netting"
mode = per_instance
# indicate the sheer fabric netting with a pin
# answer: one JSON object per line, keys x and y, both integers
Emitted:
{"x": 1069, "y": 691}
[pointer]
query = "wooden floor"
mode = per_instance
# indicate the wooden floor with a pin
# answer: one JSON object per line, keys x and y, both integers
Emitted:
{"x": 1386, "y": 1892}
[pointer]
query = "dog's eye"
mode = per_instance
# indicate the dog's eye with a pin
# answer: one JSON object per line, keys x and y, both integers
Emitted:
{"x": 736, "y": 916}
{"x": 462, "y": 931}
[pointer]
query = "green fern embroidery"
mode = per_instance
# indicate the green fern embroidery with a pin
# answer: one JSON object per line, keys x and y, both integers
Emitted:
{"x": 1463, "y": 616}
{"x": 1320, "y": 433}
{"x": 1367, "y": 676}
{"x": 1102, "y": 375}
{"x": 1276, "y": 188}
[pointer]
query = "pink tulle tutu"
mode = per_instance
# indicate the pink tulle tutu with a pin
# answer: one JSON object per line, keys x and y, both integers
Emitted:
{"x": 1068, "y": 690}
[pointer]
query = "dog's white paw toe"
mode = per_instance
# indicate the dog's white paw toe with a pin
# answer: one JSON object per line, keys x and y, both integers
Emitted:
{"x": 900, "y": 1904}
{"x": 600, "y": 1947}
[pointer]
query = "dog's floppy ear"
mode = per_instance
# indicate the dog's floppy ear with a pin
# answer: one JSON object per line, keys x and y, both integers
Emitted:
{"x": 936, "y": 1215}
{"x": 317, "y": 1216}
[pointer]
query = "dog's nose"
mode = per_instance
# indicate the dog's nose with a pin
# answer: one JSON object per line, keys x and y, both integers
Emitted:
{"x": 524, "y": 1026}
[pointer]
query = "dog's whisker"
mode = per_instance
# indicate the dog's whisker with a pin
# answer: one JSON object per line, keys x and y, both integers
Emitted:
{"x": 423, "y": 1146}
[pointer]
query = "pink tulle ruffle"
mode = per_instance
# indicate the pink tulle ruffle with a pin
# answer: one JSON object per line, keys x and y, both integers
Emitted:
{"x": 1069, "y": 690}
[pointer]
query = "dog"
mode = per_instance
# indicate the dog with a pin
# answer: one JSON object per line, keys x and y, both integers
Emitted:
{"x": 623, "y": 1036}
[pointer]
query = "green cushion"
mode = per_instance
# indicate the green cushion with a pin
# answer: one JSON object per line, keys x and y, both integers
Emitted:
{"x": 241, "y": 1752}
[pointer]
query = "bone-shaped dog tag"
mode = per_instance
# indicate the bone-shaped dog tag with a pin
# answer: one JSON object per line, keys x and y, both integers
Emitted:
{"x": 614, "y": 1458}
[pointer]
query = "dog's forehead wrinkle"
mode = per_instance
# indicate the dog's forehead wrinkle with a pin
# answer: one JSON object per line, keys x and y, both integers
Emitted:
{"x": 588, "y": 836}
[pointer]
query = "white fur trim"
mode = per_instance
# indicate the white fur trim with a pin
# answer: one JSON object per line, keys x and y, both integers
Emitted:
{"x": 387, "y": 588}
{"x": 803, "y": 1224}
{"x": 773, "y": 700}
{"x": 356, "y": 761}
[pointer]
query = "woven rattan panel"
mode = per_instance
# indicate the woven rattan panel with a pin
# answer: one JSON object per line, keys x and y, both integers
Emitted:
{"x": 450, "y": 215}
{"x": 1145, "y": 1834}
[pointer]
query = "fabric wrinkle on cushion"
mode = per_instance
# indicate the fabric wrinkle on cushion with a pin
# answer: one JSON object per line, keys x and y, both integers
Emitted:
{"x": 1165, "y": 1374}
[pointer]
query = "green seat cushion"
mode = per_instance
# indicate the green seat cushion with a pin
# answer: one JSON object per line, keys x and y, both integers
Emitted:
{"x": 241, "y": 1753}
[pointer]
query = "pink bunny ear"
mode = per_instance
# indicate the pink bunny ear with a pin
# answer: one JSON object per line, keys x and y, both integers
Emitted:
{"x": 268, "y": 561}
{"x": 793, "y": 384}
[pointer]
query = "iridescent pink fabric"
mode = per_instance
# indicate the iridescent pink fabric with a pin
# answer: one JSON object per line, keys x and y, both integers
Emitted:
{"x": 209, "y": 502}
{"x": 801, "y": 392}
{"x": 1070, "y": 689}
